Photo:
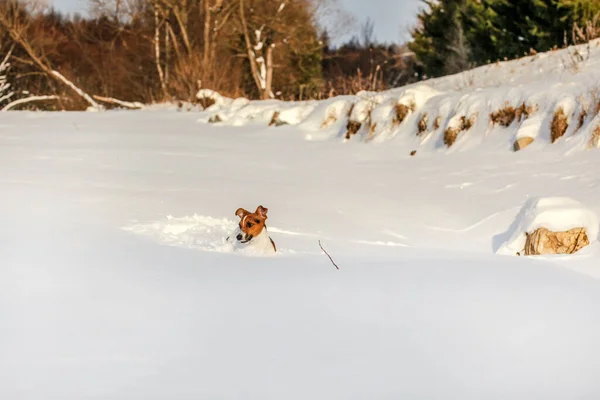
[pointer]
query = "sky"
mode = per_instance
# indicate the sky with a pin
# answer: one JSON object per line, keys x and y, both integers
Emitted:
{"x": 392, "y": 18}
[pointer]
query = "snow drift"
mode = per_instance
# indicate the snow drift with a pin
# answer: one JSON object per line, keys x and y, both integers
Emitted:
{"x": 541, "y": 99}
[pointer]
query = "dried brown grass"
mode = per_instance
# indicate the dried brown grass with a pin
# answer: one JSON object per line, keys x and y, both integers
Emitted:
{"x": 451, "y": 134}
{"x": 401, "y": 111}
{"x": 422, "y": 125}
{"x": 581, "y": 120}
{"x": 206, "y": 102}
{"x": 525, "y": 111}
{"x": 328, "y": 121}
{"x": 504, "y": 116}
{"x": 352, "y": 127}
{"x": 372, "y": 129}
{"x": 559, "y": 124}
{"x": 507, "y": 115}
{"x": 214, "y": 119}
{"x": 595, "y": 139}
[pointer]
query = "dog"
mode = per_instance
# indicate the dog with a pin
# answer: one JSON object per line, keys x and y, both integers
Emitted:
{"x": 251, "y": 232}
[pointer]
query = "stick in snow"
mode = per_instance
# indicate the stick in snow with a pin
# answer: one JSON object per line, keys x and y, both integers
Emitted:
{"x": 331, "y": 259}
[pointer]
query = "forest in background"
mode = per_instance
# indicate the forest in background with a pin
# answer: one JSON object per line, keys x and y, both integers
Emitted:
{"x": 150, "y": 51}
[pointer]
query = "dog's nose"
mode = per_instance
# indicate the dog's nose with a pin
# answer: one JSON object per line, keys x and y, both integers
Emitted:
{"x": 239, "y": 237}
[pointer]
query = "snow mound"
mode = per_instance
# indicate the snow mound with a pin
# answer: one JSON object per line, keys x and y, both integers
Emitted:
{"x": 196, "y": 232}
{"x": 557, "y": 214}
{"x": 192, "y": 232}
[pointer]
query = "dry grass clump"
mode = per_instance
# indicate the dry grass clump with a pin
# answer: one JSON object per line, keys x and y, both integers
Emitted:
{"x": 581, "y": 120}
{"x": 276, "y": 121}
{"x": 451, "y": 134}
{"x": 504, "y": 116}
{"x": 507, "y": 115}
{"x": 372, "y": 129}
{"x": 401, "y": 111}
{"x": 328, "y": 121}
{"x": 525, "y": 111}
{"x": 412, "y": 153}
{"x": 595, "y": 139}
{"x": 436, "y": 123}
{"x": 352, "y": 127}
{"x": 206, "y": 102}
{"x": 214, "y": 119}
{"x": 559, "y": 124}
{"x": 331, "y": 118}
{"x": 422, "y": 125}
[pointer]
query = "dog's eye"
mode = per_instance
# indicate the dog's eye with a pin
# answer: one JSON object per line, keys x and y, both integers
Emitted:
{"x": 249, "y": 224}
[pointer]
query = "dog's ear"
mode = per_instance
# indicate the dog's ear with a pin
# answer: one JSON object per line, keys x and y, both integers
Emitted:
{"x": 241, "y": 212}
{"x": 262, "y": 212}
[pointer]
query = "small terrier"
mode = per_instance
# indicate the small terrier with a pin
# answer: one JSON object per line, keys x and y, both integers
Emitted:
{"x": 251, "y": 232}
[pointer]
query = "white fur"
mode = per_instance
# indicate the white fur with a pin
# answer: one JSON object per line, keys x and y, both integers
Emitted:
{"x": 259, "y": 245}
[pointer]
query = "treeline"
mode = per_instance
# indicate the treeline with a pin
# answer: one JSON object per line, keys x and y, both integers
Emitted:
{"x": 454, "y": 35}
{"x": 166, "y": 50}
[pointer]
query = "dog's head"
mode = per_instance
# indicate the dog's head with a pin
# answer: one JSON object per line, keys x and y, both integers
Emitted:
{"x": 251, "y": 224}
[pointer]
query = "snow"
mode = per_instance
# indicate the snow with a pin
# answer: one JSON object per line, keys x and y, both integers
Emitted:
{"x": 116, "y": 280}
{"x": 546, "y": 82}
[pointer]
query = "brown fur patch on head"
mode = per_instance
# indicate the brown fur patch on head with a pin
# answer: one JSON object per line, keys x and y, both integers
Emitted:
{"x": 241, "y": 212}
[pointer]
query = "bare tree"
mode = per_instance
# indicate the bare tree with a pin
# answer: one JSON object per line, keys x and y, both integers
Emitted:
{"x": 367, "y": 33}
{"x": 13, "y": 21}
{"x": 260, "y": 54}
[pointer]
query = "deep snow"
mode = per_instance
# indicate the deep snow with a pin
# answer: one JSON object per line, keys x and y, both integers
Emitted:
{"x": 114, "y": 283}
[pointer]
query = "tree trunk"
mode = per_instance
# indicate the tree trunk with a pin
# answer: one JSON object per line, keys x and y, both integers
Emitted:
{"x": 207, "y": 24}
{"x": 267, "y": 94}
{"x": 161, "y": 75}
{"x": 167, "y": 53}
{"x": 250, "y": 51}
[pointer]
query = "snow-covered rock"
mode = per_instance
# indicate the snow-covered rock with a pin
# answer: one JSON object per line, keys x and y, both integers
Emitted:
{"x": 554, "y": 215}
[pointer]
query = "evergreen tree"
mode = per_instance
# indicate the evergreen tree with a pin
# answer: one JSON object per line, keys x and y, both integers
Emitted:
{"x": 455, "y": 34}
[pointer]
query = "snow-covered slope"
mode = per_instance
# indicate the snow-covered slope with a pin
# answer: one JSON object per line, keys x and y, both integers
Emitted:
{"x": 548, "y": 97}
{"x": 115, "y": 284}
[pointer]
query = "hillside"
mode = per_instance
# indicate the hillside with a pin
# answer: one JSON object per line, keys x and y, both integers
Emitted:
{"x": 551, "y": 97}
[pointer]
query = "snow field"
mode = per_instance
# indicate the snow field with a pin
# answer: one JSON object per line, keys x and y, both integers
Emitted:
{"x": 116, "y": 282}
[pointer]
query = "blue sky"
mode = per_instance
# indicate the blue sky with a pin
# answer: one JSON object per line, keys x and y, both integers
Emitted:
{"x": 392, "y": 18}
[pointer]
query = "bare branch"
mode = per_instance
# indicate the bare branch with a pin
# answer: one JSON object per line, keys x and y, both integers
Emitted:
{"x": 28, "y": 100}
{"x": 331, "y": 259}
